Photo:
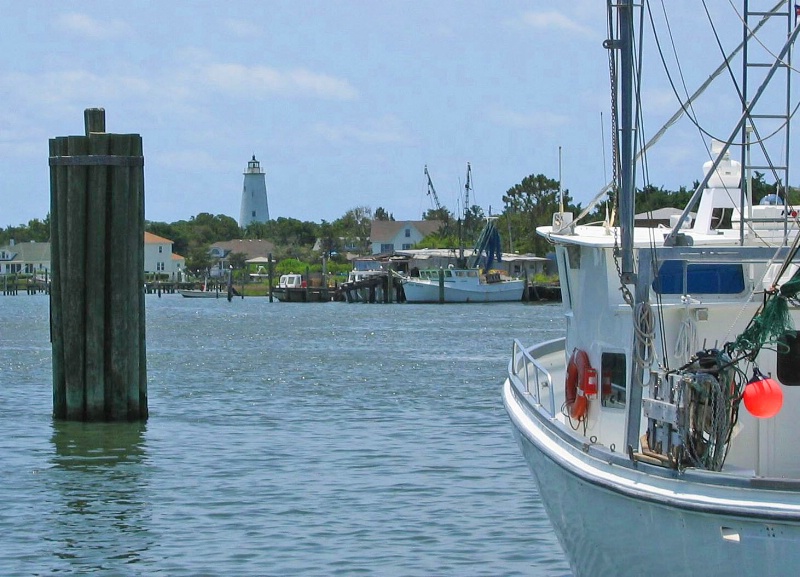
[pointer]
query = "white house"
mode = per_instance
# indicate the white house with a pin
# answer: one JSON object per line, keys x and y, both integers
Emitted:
{"x": 158, "y": 257}
{"x": 25, "y": 257}
{"x": 34, "y": 257}
{"x": 388, "y": 236}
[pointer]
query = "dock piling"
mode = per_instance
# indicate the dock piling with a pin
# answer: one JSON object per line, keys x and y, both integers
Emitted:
{"x": 97, "y": 232}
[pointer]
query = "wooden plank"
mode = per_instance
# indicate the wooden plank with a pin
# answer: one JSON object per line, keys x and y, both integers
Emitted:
{"x": 138, "y": 393}
{"x": 74, "y": 288}
{"x": 58, "y": 184}
{"x": 96, "y": 310}
{"x": 120, "y": 271}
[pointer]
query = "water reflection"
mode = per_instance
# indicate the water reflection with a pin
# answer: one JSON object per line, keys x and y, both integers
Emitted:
{"x": 102, "y": 517}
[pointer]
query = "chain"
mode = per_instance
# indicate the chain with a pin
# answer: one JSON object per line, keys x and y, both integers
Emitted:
{"x": 612, "y": 68}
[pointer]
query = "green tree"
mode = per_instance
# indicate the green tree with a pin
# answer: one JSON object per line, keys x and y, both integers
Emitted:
{"x": 381, "y": 214}
{"x": 354, "y": 227}
{"x": 237, "y": 260}
{"x": 528, "y": 205}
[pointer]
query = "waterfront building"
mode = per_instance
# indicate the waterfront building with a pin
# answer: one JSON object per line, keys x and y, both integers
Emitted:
{"x": 254, "y": 206}
{"x": 34, "y": 257}
{"x": 250, "y": 248}
{"x": 25, "y": 257}
{"x": 159, "y": 259}
{"x": 387, "y": 236}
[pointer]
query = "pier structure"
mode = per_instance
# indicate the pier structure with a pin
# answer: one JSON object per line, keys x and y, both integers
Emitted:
{"x": 378, "y": 287}
{"x": 255, "y": 207}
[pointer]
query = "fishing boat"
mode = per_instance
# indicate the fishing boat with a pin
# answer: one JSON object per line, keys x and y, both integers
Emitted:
{"x": 475, "y": 284}
{"x": 660, "y": 431}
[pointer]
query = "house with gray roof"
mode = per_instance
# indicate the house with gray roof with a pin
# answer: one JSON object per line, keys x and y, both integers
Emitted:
{"x": 251, "y": 248}
{"x": 387, "y": 236}
{"x": 25, "y": 257}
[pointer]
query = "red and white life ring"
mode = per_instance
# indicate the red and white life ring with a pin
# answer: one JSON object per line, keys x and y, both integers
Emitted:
{"x": 580, "y": 384}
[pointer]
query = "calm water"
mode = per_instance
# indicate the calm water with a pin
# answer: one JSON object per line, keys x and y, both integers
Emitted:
{"x": 283, "y": 439}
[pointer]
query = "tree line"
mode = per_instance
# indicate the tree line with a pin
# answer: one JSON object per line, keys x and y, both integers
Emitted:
{"x": 526, "y": 206}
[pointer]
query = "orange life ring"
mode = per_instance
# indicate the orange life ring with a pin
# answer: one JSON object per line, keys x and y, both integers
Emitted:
{"x": 578, "y": 384}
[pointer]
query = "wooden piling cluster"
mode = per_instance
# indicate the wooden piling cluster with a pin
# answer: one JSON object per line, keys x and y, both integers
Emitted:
{"x": 97, "y": 297}
{"x": 379, "y": 288}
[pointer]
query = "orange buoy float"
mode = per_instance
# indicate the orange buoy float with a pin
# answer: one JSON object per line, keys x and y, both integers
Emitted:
{"x": 762, "y": 396}
{"x": 581, "y": 381}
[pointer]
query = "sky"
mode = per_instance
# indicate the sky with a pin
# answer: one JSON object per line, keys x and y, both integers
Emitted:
{"x": 343, "y": 102}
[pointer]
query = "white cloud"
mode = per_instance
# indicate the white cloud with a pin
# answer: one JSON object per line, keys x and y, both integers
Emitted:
{"x": 385, "y": 130}
{"x": 553, "y": 20}
{"x": 250, "y": 81}
{"x": 87, "y": 26}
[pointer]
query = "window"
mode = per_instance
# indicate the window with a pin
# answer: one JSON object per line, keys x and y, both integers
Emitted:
{"x": 160, "y": 248}
{"x": 613, "y": 380}
{"x": 677, "y": 277}
{"x": 408, "y": 233}
{"x": 387, "y": 247}
{"x": 253, "y": 214}
{"x": 789, "y": 360}
{"x": 407, "y": 246}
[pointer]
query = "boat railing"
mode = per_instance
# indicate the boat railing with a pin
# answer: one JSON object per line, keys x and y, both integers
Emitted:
{"x": 530, "y": 373}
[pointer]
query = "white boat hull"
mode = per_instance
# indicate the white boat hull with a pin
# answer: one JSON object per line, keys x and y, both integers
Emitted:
{"x": 616, "y": 518}
{"x": 198, "y": 294}
{"x": 422, "y": 291}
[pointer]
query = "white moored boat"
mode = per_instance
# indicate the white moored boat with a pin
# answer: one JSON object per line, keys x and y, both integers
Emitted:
{"x": 661, "y": 431}
{"x": 462, "y": 285}
{"x": 476, "y": 284}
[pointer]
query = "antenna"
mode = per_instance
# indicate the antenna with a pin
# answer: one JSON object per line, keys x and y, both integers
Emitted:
{"x": 560, "y": 189}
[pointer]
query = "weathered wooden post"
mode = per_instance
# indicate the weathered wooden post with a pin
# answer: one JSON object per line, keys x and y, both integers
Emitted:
{"x": 389, "y": 284}
{"x": 97, "y": 282}
{"x": 269, "y": 275}
{"x": 525, "y": 295}
{"x": 441, "y": 285}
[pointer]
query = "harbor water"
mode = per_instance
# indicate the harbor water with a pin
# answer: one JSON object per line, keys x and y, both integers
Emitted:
{"x": 283, "y": 439}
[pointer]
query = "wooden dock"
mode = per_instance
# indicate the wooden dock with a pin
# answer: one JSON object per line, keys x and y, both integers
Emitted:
{"x": 372, "y": 289}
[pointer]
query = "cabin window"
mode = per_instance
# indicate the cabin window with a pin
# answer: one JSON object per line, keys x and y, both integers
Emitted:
{"x": 678, "y": 277}
{"x": 789, "y": 360}
{"x": 613, "y": 378}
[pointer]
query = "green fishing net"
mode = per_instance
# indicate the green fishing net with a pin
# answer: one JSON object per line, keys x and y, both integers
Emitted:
{"x": 770, "y": 324}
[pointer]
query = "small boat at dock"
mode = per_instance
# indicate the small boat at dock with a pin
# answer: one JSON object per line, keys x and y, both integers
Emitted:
{"x": 198, "y": 294}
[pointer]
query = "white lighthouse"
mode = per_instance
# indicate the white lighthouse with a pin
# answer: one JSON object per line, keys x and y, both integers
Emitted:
{"x": 254, "y": 195}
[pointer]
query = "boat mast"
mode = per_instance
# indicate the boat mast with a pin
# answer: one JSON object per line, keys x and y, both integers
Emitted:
{"x": 626, "y": 139}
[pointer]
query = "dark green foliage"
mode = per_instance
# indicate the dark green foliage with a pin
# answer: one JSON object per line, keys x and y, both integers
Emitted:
{"x": 381, "y": 214}
{"x": 36, "y": 230}
{"x": 528, "y": 205}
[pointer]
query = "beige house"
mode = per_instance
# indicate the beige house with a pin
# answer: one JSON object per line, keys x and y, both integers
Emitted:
{"x": 251, "y": 248}
{"x": 388, "y": 236}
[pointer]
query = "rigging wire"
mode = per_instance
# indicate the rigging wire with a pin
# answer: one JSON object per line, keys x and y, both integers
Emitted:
{"x": 767, "y": 50}
{"x": 682, "y": 109}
